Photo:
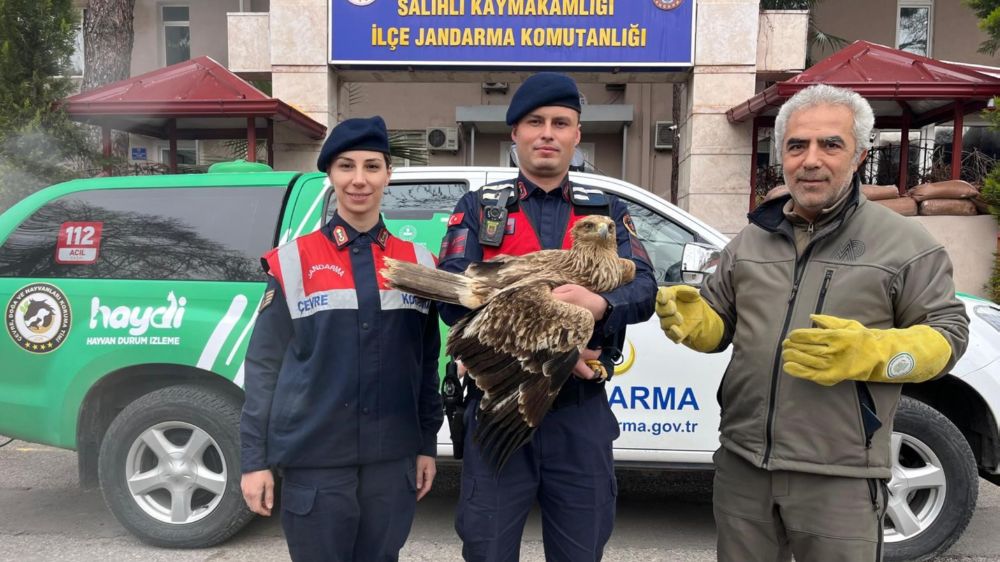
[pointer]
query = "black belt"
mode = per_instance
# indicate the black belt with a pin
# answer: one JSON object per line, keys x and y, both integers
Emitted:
{"x": 573, "y": 393}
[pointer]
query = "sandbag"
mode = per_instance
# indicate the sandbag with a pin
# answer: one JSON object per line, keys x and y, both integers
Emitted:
{"x": 960, "y": 207}
{"x": 880, "y": 192}
{"x": 951, "y": 189}
{"x": 981, "y": 205}
{"x": 906, "y": 206}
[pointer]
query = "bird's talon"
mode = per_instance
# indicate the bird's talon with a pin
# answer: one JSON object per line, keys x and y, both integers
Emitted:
{"x": 600, "y": 373}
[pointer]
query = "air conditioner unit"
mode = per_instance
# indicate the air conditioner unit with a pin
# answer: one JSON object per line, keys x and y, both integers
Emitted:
{"x": 497, "y": 87}
{"x": 442, "y": 138}
{"x": 663, "y": 137}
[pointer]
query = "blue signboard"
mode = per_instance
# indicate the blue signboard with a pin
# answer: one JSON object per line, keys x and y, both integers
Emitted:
{"x": 515, "y": 33}
{"x": 139, "y": 153}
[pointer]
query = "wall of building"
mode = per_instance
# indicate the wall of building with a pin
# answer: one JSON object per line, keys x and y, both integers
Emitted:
{"x": 955, "y": 35}
{"x": 970, "y": 242}
{"x": 396, "y": 103}
{"x": 647, "y": 167}
{"x": 208, "y": 36}
{"x": 714, "y": 155}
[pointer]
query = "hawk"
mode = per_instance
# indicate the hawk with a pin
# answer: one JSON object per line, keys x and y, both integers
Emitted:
{"x": 519, "y": 343}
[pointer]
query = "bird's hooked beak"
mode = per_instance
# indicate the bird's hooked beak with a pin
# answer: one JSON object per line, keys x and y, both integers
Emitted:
{"x": 603, "y": 231}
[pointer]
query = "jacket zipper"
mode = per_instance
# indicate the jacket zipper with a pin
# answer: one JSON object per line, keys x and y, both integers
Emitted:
{"x": 863, "y": 394}
{"x": 776, "y": 368}
{"x": 822, "y": 292}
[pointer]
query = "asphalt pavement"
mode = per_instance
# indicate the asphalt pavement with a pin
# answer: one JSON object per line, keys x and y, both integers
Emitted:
{"x": 45, "y": 516}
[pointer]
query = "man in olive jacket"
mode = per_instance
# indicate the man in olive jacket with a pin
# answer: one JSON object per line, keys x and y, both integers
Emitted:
{"x": 830, "y": 302}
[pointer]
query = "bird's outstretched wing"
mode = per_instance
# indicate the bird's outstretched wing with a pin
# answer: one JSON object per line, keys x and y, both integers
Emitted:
{"x": 519, "y": 348}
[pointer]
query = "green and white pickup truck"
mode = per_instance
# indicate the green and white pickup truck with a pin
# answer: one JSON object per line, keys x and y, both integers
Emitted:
{"x": 129, "y": 304}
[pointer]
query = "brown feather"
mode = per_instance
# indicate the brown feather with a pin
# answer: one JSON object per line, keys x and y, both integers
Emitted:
{"x": 519, "y": 343}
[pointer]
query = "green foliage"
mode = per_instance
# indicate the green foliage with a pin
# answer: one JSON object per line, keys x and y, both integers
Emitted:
{"x": 991, "y": 194}
{"x": 39, "y": 145}
{"x": 402, "y": 145}
{"x": 993, "y": 285}
{"x": 991, "y": 190}
{"x": 988, "y": 12}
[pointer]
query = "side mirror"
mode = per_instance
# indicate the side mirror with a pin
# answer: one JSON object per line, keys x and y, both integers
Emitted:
{"x": 697, "y": 262}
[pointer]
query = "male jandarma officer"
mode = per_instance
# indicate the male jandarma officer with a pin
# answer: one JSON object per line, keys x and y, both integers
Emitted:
{"x": 568, "y": 465}
{"x": 830, "y": 303}
{"x": 341, "y": 373}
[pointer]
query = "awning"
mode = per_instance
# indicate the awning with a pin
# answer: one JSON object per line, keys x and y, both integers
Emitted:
{"x": 194, "y": 99}
{"x": 896, "y": 83}
{"x": 906, "y": 91}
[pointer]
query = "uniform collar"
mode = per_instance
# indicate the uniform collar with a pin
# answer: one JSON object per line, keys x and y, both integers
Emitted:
{"x": 526, "y": 188}
{"x": 343, "y": 234}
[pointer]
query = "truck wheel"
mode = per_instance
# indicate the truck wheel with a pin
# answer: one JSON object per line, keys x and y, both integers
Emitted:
{"x": 934, "y": 485}
{"x": 169, "y": 468}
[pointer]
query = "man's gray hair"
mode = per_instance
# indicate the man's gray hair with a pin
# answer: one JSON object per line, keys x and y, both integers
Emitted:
{"x": 822, "y": 94}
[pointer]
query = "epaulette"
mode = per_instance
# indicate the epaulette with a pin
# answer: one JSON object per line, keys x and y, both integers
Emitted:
{"x": 587, "y": 196}
{"x": 587, "y": 200}
{"x": 491, "y": 195}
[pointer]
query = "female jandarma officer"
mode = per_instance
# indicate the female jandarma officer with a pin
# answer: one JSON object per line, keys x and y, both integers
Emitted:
{"x": 342, "y": 373}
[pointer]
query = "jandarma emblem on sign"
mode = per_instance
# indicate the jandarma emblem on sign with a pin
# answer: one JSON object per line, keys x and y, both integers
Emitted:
{"x": 667, "y": 4}
{"x": 38, "y": 318}
{"x": 360, "y": 2}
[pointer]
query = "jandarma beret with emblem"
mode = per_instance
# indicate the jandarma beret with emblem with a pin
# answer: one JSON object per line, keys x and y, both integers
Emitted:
{"x": 539, "y": 90}
{"x": 354, "y": 134}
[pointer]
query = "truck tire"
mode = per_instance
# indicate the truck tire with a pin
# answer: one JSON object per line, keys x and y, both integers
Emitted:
{"x": 934, "y": 486}
{"x": 169, "y": 468}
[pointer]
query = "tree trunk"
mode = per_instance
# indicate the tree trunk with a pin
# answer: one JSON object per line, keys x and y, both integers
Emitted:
{"x": 107, "y": 38}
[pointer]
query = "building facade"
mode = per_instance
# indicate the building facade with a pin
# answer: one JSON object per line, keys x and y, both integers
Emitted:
{"x": 629, "y": 119}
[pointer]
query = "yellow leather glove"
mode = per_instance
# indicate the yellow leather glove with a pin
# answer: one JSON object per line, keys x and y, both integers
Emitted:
{"x": 839, "y": 349}
{"x": 686, "y": 318}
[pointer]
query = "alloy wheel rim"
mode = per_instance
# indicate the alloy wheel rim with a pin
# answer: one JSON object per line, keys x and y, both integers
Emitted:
{"x": 176, "y": 472}
{"x": 917, "y": 490}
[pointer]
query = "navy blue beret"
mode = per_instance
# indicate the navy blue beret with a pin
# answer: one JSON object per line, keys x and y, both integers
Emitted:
{"x": 544, "y": 88}
{"x": 354, "y": 134}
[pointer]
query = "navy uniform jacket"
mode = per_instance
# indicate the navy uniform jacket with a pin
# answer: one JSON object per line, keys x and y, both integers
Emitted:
{"x": 549, "y": 215}
{"x": 341, "y": 370}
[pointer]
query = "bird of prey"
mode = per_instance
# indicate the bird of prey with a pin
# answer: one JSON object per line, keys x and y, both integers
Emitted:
{"x": 519, "y": 343}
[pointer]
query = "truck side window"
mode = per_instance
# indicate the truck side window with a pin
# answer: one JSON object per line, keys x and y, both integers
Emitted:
{"x": 664, "y": 241}
{"x": 211, "y": 234}
{"x": 421, "y": 200}
{"x": 417, "y": 211}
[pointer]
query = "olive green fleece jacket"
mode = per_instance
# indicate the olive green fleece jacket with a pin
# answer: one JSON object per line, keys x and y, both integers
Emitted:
{"x": 864, "y": 263}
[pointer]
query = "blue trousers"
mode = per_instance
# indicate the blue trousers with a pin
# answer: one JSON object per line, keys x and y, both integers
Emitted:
{"x": 567, "y": 466}
{"x": 356, "y": 513}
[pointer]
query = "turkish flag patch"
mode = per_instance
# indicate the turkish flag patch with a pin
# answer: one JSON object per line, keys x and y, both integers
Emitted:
{"x": 455, "y": 218}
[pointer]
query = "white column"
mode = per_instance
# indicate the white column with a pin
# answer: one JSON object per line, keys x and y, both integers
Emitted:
{"x": 714, "y": 182}
{"x": 301, "y": 77}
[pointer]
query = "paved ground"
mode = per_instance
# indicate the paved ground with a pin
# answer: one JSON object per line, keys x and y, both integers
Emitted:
{"x": 661, "y": 517}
